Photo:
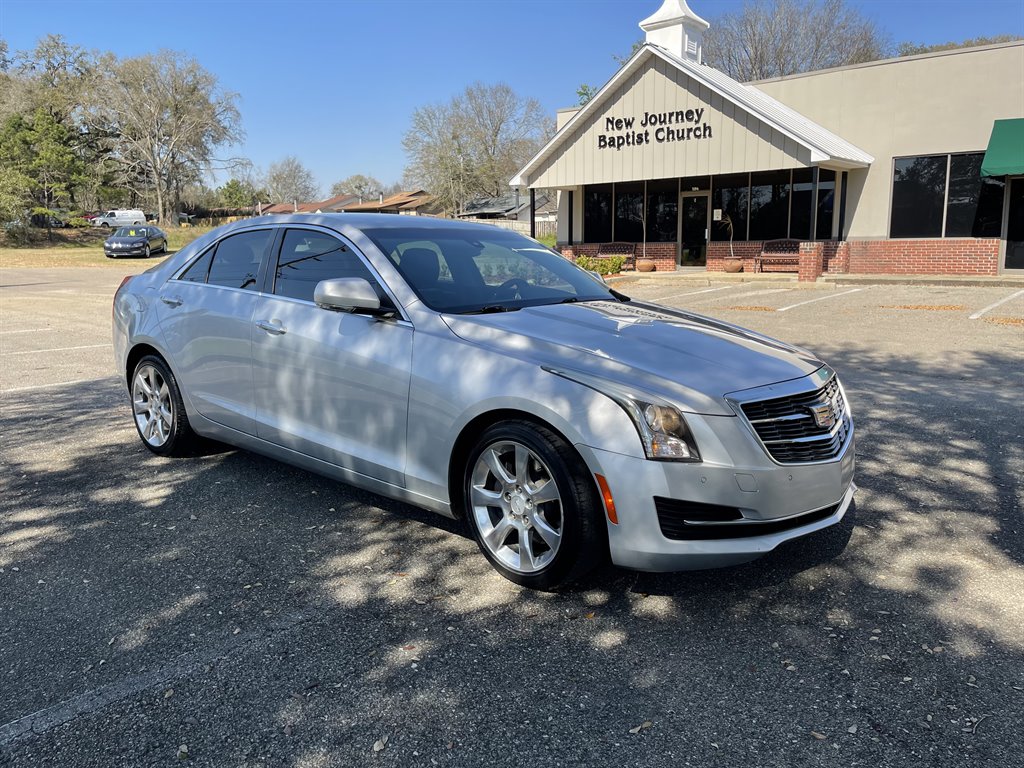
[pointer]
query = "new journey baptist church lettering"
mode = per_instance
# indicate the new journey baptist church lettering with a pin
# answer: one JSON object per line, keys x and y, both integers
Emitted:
{"x": 680, "y": 125}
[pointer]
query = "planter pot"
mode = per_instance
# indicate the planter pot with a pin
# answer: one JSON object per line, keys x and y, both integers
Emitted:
{"x": 645, "y": 265}
{"x": 733, "y": 265}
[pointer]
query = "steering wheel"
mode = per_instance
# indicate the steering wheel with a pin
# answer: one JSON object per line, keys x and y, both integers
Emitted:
{"x": 516, "y": 283}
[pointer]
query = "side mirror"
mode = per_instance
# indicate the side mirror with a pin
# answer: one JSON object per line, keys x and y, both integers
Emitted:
{"x": 348, "y": 294}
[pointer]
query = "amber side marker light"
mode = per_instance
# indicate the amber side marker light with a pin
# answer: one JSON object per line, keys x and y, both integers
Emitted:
{"x": 609, "y": 502}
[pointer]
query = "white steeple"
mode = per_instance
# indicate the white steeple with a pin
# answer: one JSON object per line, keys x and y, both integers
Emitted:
{"x": 677, "y": 29}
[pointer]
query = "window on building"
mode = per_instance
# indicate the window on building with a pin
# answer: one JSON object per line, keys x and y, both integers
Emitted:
{"x": 769, "y": 205}
{"x": 826, "y": 203}
{"x": 629, "y": 212}
{"x": 800, "y": 209}
{"x": 974, "y": 207}
{"x": 597, "y": 213}
{"x": 663, "y": 211}
{"x": 918, "y": 196}
{"x": 730, "y": 195}
{"x": 695, "y": 183}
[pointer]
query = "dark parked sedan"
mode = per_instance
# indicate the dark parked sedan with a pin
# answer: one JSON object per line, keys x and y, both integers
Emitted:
{"x": 135, "y": 241}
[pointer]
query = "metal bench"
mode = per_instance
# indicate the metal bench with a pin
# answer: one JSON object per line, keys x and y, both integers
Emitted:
{"x": 619, "y": 249}
{"x": 783, "y": 253}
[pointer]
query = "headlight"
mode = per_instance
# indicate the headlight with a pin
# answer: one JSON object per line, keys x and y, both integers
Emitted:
{"x": 661, "y": 426}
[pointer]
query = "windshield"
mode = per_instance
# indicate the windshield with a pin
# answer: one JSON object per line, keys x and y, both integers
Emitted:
{"x": 130, "y": 232}
{"x": 468, "y": 270}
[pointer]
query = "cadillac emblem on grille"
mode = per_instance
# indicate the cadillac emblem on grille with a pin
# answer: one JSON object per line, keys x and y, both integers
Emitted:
{"x": 823, "y": 414}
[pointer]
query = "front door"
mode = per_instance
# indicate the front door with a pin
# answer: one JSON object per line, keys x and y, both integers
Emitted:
{"x": 1015, "y": 225}
{"x": 693, "y": 251}
{"x": 331, "y": 385}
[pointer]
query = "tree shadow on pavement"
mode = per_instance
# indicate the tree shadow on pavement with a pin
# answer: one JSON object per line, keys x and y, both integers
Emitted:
{"x": 262, "y": 615}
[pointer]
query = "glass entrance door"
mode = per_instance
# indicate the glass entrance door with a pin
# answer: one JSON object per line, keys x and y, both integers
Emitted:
{"x": 1015, "y": 226}
{"x": 693, "y": 250}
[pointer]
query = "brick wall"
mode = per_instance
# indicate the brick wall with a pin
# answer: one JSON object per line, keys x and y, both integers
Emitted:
{"x": 812, "y": 257}
{"x": 718, "y": 252}
{"x": 946, "y": 256}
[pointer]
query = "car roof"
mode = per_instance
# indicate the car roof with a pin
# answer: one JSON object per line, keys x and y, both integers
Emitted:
{"x": 364, "y": 221}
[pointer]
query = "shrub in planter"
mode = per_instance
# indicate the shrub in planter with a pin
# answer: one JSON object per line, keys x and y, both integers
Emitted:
{"x": 606, "y": 265}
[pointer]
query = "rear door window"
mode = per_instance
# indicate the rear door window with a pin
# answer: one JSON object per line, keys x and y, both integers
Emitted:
{"x": 237, "y": 258}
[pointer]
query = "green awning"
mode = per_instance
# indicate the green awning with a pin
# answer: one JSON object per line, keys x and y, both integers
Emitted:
{"x": 1005, "y": 153}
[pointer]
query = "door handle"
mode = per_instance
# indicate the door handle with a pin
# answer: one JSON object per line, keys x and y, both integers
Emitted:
{"x": 272, "y": 326}
{"x": 171, "y": 301}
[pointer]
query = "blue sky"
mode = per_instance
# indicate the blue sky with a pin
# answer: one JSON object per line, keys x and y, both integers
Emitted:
{"x": 335, "y": 83}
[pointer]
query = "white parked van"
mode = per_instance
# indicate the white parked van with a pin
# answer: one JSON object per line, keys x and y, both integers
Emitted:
{"x": 119, "y": 218}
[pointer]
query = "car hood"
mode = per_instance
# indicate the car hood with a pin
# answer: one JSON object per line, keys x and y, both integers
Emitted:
{"x": 126, "y": 240}
{"x": 691, "y": 359}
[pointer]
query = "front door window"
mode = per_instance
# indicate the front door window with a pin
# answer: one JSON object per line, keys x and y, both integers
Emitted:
{"x": 694, "y": 248}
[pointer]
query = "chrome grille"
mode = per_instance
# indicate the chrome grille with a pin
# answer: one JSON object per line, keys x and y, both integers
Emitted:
{"x": 789, "y": 430}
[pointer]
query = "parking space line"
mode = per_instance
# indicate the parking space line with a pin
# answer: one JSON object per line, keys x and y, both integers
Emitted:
{"x": 999, "y": 303}
{"x": 762, "y": 292}
{"x": 691, "y": 293}
{"x": 53, "y": 384}
{"x": 56, "y": 349}
{"x": 29, "y": 330}
{"x": 820, "y": 298}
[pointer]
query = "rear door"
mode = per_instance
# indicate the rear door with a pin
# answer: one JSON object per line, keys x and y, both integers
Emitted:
{"x": 206, "y": 317}
{"x": 332, "y": 385}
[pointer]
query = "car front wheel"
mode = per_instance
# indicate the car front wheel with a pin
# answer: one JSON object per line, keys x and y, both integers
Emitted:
{"x": 146, "y": 251}
{"x": 532, "y": 506}
{"x": 159, "y": 411}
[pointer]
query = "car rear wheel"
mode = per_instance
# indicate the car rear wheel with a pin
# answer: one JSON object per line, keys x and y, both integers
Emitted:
{"x": 159, "y": 411}
{"x": 532, "y": 506}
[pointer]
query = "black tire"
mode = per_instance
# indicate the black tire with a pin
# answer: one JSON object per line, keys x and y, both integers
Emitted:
{"x": 163, "y": 247}
{"x": 146, "y": 252}
{"x": 105, "y": 225}
{"x": 583, "y": 538}
{"x": 180, "y": 439}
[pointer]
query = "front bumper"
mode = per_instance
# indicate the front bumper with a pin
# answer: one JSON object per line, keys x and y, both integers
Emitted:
{"x": 769, "y": 496}
{"x": 134, "y": 250}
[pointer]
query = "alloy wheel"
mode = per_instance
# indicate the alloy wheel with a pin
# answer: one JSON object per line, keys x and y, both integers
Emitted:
{"x": 516, "y": 506}
{"x": 151, "y": 401}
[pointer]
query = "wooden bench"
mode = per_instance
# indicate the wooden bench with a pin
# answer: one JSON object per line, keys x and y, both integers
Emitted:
{"x": 619, "y": 249}
{"x": 784, "y": 253}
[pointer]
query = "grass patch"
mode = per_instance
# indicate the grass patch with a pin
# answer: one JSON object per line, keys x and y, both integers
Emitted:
{"x": 83, "y": 248}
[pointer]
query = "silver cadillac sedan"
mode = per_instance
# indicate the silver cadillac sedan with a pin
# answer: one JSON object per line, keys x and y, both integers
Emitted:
{"x": 470, "y": 370}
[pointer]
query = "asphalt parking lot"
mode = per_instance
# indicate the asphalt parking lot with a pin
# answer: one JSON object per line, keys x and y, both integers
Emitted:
{"x": 226, "y": 610}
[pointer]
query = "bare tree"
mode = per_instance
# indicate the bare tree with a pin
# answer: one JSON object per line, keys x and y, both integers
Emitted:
{"x": 289, "y": 181}
{"x": 474, "y": 144}
{"x": 166, "y": 118}
{"x": 363, "y": 187}
{"x": 783, "y": 37}
{"x": 913, "y": 49}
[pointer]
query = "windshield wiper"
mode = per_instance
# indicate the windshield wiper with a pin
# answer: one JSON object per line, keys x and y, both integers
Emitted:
{"x": 577, "y": 299}
{"x": 491, "y": 309}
